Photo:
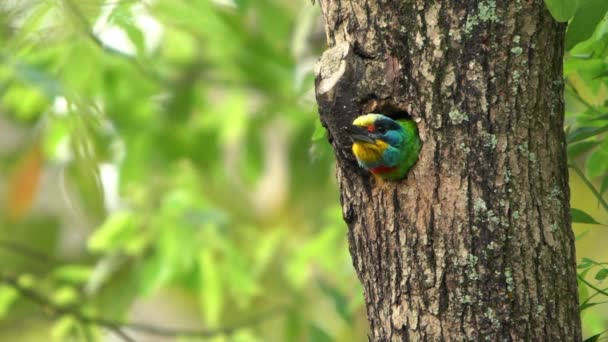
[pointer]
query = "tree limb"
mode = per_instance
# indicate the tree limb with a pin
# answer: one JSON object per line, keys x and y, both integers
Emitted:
{"x": 115, "y": 326}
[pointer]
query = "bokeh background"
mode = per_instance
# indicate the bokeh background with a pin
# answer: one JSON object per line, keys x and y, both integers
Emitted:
{"x": 162, "y": 162}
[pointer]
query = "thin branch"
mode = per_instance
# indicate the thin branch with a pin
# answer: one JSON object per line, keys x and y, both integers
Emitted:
{"x": 595, "y": 303}
{"x": 580, "y": 99}
{"x": 591, "y": 285}
{"x": 60, "y": 310}
{"x": 590, "y": 186}
{"x": 115, "y": 326}
{"x": 86, "y": 27}
{"x": 226, "y": 330}
{"x": 27, "y": 252}
{"x": 592, "y": 296}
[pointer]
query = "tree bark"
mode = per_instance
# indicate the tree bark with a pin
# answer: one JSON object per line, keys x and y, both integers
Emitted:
{"x": 476, "y": 244}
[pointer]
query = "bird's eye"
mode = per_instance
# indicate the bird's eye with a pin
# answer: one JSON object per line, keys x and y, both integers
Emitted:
{"x": 381, "y": 130}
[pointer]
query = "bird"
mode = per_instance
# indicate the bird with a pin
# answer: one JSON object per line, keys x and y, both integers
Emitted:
{"x": 388, "y": 148}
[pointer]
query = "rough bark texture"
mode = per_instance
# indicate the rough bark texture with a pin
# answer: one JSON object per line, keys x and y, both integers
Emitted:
{"x": 476, "y": 243}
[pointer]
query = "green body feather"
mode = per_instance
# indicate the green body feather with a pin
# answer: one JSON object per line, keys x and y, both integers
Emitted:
{"x": 409, "y": 151}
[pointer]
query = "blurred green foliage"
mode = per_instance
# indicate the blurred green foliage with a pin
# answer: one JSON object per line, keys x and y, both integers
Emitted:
{"x": 164, "y": 164}
{"x": 175, "y": 138}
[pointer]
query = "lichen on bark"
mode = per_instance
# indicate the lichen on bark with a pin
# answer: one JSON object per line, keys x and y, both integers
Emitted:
{"x": 476, "y": 243}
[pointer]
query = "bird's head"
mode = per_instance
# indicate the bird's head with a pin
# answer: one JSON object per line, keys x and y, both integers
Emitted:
{"x": 372, "y": 136}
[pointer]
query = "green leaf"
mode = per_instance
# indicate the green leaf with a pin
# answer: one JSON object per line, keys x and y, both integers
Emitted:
{"x": 65, "y": 295}
{"x": 340, "y": 302}
{"x": 588, "y": 16}
{"x": 319, "y": 132}
{"x": 600, "y": 117}
{"x": 575, "y": 150}
{"x": 604, "y": 185}
{"x": 8, "y": 296}
{"x": 597, "y": 163}
{"x": 591, "y": 187}
{"x": 238, "y": 273}
{"x": 583, "y": 291}
{"x": 112, "y": 232}
{"x": 587, "y": 65}
{"x": 65, "y": 326}
{"x": 293, "y": 325}
{"x": 586, "y": 262}
{"x": 34, "y": 20}
{"x": 587, "y": 306}
{"x": 56, "y": 139}
{"x": 316, "y": 334}
{"x": 210, "y": 287}
{"x": 585, "y": 132}
{"x": 152, "y": 273}
{"x": 593, "y": 338}
{"x": 601, "y": 274}
{"x": 581, "y": 235}
{"x": 123, "y": 18}
{"x": 73, "y": 273}
{"x": 580, "y": 216}
{"x": 562, "y": 10}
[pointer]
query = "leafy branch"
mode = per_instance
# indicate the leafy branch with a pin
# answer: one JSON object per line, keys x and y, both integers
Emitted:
{"x": 593, "y": 287}
{"x": 59, "y": 311}
{"x": 117, "y": 327}
{"x": 85, "y": 26}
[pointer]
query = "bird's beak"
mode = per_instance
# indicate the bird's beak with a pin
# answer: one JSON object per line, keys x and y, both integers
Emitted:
{"x": 358, "y": 133}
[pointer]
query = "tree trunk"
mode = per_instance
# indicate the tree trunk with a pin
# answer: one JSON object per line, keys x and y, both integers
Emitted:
{"x": 476, "y": 243}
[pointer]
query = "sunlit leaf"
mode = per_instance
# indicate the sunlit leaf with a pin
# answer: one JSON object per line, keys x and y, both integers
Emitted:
{"x": 56, "y": 140}
{"x": 65, "y": 295}
{"x": 591, "y": 187}
{"x": 210, "y": 294}
{"x": 340, "y": 302}
{"x": 588, "y": 15}
{"x": 586, "y": 262}
{"x": 73, "y": 273}
{"x": 8, "y": 296}
{"x": 153, "y": 273}
{"x": 63, "y": 327}
{"x": 593, "y": 338}
{"x": 583, "y": 291}
{"x": 293, "y": 325}
{"x": 587, "y": 305}
{"x": 316, "y": 334}
{"x": 601, "y": 274}
{"x": 562, "y": 10}
{"x": 113, "y": 231}
{"x": 604, "y": 185}
{"x": 597, "y": 163}
{"x": 585, "y": 132}
{"x": 576, "y": 149}
{"x": 601, "y": 117}
{"x": 319, "y": 132}
{"x": 580, "y": 216}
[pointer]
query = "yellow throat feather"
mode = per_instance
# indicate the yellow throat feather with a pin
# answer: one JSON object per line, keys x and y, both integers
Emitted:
{"x": 368, "y": 152}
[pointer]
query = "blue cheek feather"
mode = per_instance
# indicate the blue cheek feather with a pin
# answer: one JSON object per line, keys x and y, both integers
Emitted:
{"x": 391, "y": 156}
{"x": 393, "y": 138}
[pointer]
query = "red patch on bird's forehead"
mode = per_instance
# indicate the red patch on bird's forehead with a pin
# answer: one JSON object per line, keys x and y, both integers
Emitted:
{"x": 371, "y": 128}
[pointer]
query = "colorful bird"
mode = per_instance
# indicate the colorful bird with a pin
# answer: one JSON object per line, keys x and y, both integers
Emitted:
{"x": 387, "y": 148}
